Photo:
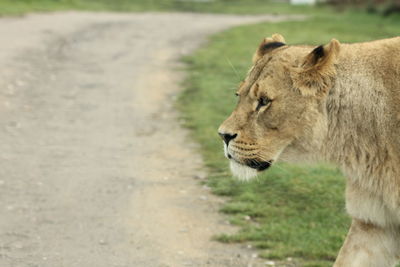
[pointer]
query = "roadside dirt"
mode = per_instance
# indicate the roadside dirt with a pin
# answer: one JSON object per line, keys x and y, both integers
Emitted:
{"x": 95, "y": 170}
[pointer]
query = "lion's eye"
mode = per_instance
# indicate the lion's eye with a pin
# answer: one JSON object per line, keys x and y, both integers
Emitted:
{"x": 263, "y": 101}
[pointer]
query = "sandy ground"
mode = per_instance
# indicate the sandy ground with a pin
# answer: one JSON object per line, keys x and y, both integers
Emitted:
{"x": 95, "y": 170}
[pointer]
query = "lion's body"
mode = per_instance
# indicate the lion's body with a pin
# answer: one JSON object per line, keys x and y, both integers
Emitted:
{"x": 364, "y": 127}
{"x": 341, "y": 103}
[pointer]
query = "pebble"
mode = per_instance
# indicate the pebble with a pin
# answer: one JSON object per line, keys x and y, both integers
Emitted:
{"x": 270, "y": 263}
{"x": 13, "y": 124}
{"x": 203, "y": 197}
{"x": 10, "y": 87}
{"x": 247, "y": 218}
{"x": 20, "y": 83}
{"x": 200, "y": 176}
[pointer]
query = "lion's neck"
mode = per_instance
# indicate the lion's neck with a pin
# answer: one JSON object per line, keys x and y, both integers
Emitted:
{"x": 359, "y": 127}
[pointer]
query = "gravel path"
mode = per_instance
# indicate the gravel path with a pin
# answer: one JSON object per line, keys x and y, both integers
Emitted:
{"x": 95, "y": 170}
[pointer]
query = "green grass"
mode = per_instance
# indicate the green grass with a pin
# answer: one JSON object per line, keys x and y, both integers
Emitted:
{"x": 290, "y": 211}
{"x": 15, "y": 7}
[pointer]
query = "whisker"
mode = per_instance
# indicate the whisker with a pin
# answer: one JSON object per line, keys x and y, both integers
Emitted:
{"x": 230, "y": 63}
{"x": 243, "y": 148}
{"x": 246, "y": 144}
{"x": 282, "y": 169}
{"x": 241, "y": 153}
{"x": 270, "y": 162}
{"x": 283, "y": 159}
{"x": 233, "y": 88}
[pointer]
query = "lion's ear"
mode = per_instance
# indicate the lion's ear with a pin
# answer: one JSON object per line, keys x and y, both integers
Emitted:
{"x": 316, "y": 73}
{"x": 278, "y": 38}
{"x": 268, "y": 44}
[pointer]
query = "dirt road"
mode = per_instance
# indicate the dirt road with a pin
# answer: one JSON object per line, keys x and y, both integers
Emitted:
{"x": 95, "y": 170}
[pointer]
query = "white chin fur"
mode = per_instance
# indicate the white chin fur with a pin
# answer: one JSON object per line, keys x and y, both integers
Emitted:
{"x": 242, "y": 172}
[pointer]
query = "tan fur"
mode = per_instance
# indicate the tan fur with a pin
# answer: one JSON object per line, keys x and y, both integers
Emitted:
{"x": 340, "y": 103}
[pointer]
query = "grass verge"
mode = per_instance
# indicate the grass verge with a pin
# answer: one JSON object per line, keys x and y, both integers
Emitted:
{"x": 291, "y": 213}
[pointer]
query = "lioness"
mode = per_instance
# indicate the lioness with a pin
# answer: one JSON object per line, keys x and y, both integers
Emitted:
{"x": 336, "y": 102}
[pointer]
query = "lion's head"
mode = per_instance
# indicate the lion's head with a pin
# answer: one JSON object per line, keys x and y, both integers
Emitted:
{"x": 281, "y": 105}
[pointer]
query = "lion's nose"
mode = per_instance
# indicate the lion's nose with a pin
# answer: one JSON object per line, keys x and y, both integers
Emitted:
{"x": 227, "y": 137}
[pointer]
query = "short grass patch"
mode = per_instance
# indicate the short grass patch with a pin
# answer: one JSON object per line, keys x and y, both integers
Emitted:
{"x": 291, "y": 211}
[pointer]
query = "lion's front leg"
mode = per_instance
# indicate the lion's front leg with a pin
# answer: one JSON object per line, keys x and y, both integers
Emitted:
{"x": 368, "y": 245}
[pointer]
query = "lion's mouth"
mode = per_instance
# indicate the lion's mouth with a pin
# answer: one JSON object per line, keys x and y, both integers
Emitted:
{"x": 248, "y": 168}
{"x": 258, "y": 165}
{"x": 253, "y": 163}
